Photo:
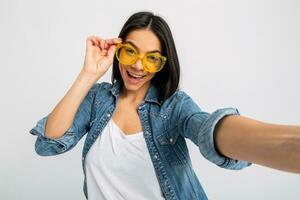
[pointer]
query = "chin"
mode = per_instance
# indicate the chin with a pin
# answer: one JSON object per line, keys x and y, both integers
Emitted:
{"x": 135, "y": 83}
{"x": 136, "y": 86}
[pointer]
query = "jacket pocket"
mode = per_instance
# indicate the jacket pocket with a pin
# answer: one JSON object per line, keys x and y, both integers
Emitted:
{"x": 173, "y": 147}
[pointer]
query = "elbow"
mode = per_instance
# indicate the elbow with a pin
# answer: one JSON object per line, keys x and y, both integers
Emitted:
{"x": 48, "y": 147}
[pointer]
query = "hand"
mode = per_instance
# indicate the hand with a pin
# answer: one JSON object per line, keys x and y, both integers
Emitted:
{"x": 99, "y": 55}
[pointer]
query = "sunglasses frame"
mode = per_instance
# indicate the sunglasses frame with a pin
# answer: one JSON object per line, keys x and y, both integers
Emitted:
{"x": 120, "y": 45}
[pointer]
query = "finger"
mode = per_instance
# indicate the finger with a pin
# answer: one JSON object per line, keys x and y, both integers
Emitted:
{"x": 96, "y": 40}
{"x": 111, "y": 51}
{"x": 90, "y": 40}
{"x": 100, "y": 40}
{"x": 114, "y": 41}
{"x": 102, "y": 44}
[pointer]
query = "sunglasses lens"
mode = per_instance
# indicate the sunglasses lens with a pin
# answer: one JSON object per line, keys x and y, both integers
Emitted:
{"x": 126, "y": 55}
{"x": 153, "y": 62}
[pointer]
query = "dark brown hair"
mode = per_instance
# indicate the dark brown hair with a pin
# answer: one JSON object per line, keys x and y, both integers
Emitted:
{"x": 166, "y": 80}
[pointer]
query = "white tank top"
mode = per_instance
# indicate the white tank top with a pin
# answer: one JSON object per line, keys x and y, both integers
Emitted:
{"x": 118, "y": 167}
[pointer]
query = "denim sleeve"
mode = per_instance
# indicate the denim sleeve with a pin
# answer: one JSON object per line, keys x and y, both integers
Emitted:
{"x": 199, "y": 126}
{"x": 48, "y": 147}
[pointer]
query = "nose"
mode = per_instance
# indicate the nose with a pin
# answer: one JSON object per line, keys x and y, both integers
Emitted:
{"x": 138, "y": 65}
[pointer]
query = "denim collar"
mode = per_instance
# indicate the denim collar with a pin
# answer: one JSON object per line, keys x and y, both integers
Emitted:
{"x": 151, "y": 95}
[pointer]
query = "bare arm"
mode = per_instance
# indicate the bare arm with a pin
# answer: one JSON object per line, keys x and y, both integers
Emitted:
{"x": 272, "y": 145}
{"x": 98, "y": 58}
{"x": 62, "y": 116}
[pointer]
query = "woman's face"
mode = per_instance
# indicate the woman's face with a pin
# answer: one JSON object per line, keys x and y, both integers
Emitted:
{"x": 134, "y": 76}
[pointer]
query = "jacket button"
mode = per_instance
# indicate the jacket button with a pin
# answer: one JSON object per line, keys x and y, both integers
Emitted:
{"x": 108, "y": 115}
{"x": 155, "y": 156}
{"x": 171, "y": 140}
{"x": 166, "y": 183}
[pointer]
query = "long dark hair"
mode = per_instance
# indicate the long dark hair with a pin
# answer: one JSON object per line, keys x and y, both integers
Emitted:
{"x": 166, "y": 80}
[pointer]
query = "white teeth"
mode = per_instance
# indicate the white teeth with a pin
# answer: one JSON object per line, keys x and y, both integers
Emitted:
{"x": 134, "y": 75}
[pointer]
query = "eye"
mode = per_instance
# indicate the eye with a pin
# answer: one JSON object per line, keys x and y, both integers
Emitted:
{"x": 130, "y": 51}
{"x": 153, "y": 58}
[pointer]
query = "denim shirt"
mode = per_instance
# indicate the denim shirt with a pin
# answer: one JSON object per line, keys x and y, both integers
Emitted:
{"x": 165, "y": 126}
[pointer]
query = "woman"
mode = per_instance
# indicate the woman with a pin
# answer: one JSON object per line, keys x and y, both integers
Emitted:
{"x": 135, "y": 147}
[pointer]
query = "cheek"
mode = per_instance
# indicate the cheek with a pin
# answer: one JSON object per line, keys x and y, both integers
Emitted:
{"x": 150, "y": 76}
{"x": 121, "y": 69}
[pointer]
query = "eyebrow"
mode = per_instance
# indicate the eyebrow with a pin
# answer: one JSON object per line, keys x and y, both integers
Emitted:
{"x": 154, "y": 51}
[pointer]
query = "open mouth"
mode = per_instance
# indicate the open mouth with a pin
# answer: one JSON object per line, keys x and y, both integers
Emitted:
{"x": 135, "y": 76}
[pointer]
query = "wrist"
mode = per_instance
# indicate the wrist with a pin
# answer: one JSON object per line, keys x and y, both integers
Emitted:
{"x": 88, "y": 78}
{"x": 85, "y": 80}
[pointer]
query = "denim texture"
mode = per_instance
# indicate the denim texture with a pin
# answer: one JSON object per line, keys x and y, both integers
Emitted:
{"x": 166, "y": 126}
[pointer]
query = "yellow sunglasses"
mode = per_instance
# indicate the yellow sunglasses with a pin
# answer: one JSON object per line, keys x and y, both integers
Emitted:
{"x": 128, "y": 55}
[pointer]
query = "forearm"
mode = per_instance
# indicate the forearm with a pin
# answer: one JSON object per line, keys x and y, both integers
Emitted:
{"x": 62, "y": 116}
{"x": 272, "y": 145}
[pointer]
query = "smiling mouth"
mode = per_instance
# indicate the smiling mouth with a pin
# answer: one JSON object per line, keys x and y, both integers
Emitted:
{"x": 135, "y": 76}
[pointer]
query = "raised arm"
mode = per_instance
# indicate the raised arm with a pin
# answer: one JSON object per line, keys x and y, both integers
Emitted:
{"x": 60, "y": 131}
{"x": 62, "y": 116}
{"x": 272, "y": 145}
{"x": 98, "y": 58}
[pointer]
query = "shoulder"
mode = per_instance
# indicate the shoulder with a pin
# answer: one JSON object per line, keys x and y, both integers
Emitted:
{"x": 99, "y": 89}
{"x": 177, "y": 99}
{"x": 178, "y": 106}
{"x": 178, "y": 96}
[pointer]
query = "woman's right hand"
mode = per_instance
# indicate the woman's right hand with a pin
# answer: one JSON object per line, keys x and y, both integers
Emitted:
{"x": 99, "y": 55}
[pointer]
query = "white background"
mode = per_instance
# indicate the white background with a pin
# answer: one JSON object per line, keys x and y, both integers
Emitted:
{"x": 232, "y": 53}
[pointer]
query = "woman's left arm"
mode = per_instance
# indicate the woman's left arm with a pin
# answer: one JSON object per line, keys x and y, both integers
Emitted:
{"x": 272, "y": 145}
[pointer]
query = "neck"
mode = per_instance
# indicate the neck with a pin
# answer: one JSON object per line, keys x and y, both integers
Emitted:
{"x": 134, "y": 96}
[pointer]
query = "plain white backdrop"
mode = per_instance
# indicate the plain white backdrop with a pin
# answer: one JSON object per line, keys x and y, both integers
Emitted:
{"x": 236, "y": 53}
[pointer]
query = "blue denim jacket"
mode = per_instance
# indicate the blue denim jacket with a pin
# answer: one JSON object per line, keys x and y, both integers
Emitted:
{"x": 165, "y": 127}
